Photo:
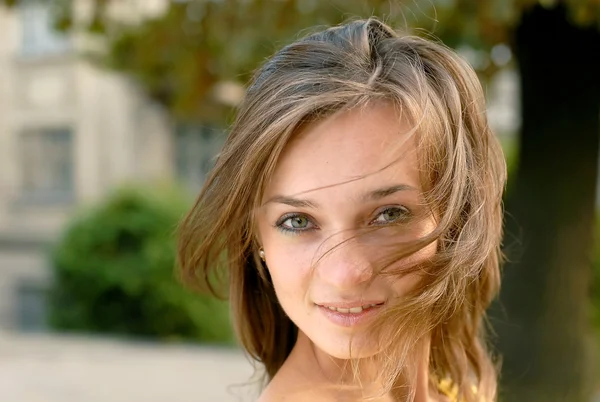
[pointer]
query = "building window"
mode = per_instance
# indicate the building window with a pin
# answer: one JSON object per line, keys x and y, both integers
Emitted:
{"x": 47, "y": 166}
{"x": 196, "y": 148}
{"x": 38, "y": 36}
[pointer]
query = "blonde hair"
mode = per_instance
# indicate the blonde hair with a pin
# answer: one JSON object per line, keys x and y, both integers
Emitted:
{"x": 461, "y": 163}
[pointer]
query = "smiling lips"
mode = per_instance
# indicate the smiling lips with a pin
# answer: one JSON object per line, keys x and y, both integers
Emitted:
{"x": 349, "y": 315}
{"x": 352, "y": 310}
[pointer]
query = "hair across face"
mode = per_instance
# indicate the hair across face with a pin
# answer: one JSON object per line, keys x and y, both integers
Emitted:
{"x": 354, "y": 171}
{"x": 343, "y": 138}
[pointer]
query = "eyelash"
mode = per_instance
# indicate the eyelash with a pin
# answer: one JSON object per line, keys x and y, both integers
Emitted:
{"x": 279, "y": 224}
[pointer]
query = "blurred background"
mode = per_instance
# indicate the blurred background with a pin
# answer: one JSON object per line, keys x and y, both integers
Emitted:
{"x": 111, "y": 112}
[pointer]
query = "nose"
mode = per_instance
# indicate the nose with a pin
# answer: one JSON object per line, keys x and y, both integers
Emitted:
{"x": 345, "y": 264}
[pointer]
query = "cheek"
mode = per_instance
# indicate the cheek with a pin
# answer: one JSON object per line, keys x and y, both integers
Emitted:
{"x": 289, "y": 266}
{"x": 410, "y": 281}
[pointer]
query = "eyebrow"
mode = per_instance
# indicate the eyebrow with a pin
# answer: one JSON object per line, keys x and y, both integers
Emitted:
{"x": 293, "y": 202}
{"x": 370, "y": 196}
{"x": 386, "y": 191}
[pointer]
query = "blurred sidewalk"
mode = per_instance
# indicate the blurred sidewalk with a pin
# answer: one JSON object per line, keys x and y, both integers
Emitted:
{"x": 53, "y": 368}
{"x": 58, "y": 368}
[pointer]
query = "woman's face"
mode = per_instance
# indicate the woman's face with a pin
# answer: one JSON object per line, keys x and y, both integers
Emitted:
{"x": 355, "y": 170}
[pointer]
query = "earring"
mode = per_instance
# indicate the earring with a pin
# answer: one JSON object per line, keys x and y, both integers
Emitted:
{"x": 261, "y": 254}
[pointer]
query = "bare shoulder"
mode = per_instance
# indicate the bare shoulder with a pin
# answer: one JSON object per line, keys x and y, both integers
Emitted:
{"x": 291, "y": 386}
{"x": 280, "y": 392}
{"x": 269, "y": 396}
{"x": 293, "y": 395}
{"x": 274, "y": 393}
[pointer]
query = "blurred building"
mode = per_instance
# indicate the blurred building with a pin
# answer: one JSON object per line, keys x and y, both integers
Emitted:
{"x": 69, "y": 133}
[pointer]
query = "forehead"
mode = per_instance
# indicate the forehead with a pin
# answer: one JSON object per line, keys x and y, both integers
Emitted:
{"x": 371, "y": 143}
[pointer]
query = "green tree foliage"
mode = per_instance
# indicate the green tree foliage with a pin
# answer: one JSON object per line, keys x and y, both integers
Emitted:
{"x": 114, "y": 273}
{"x": 181, "y": 56}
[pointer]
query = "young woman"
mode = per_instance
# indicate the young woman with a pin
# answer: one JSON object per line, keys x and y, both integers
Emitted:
{"x": 355, "y": 210}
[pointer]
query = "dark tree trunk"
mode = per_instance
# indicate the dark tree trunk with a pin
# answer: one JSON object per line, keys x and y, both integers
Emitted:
{"x": 543, "y": 330}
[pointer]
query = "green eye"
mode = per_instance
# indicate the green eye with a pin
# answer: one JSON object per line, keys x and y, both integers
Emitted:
{"x": 391, "y": 215}
{"x": 297, "y": 222}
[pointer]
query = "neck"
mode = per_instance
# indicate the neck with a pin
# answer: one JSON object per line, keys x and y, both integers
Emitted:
{"x": 338, "y": 374}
